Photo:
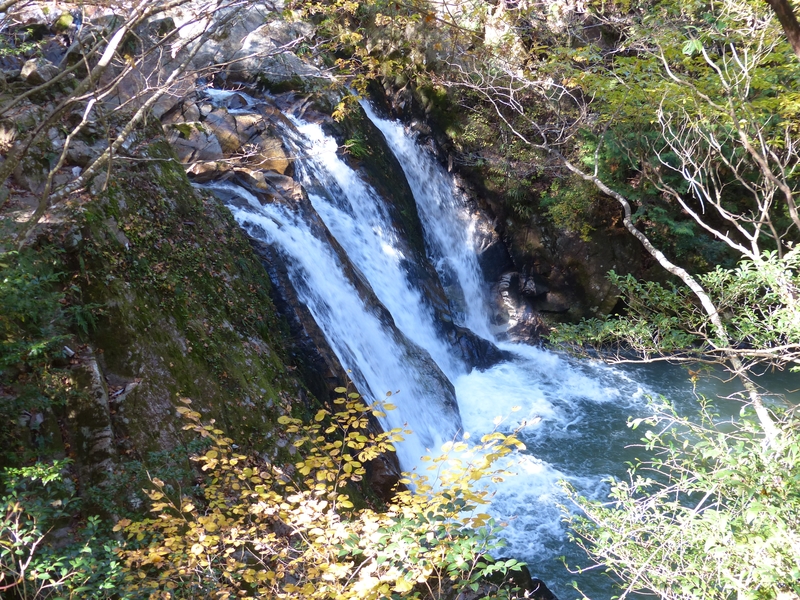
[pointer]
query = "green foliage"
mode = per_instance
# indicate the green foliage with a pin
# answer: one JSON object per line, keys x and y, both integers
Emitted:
{"x": 714, "y": 515}
{"x": 357, "y": 146}
{"x": 262, "y": 530}
{"x": 17, "y": 43}
{"x": 570, "y": 206}
{"x": 31, "y": 301}
{"x": 40, "y": 502}
{"x": 34, "y": 325}
{"x": 757, "y": 300}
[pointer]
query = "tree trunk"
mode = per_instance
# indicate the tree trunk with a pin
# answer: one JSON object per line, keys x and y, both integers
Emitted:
{"x": 788, "y": 20}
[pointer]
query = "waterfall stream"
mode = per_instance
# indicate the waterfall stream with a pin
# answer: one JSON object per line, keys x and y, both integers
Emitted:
{"x": 384, "y": 330}
{"x": 408, "y": 355}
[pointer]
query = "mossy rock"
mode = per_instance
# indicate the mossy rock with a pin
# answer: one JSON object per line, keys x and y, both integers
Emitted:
{"x": 187, "y": 308}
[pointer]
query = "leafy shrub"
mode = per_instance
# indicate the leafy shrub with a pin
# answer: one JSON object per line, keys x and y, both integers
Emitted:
{"x": 262, "y": 530}
{"x": 571, "y": 207}
{"x": 715, "y": 514}
{"x": 35, "y": 563}
{"x": 32, "y": 329}
{"x": 758, "y": 302}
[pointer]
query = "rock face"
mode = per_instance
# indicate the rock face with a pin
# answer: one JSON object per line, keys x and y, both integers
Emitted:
{"x": 207, "y": 135}
{"x": 539, "y": 273}
{"x": 188, "y": 311}
{"x": 254, "y": 45}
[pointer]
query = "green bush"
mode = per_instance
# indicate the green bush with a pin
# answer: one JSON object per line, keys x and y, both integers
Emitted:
{"x": 43, "y": 552}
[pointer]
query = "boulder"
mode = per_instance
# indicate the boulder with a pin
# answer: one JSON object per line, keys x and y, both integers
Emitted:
{"x": 287, "y": 186}
{"x": 203, "y": 172}
{"x": 37, "y": 71}
{"x": 255, "y": 45}
{"x": 80, "y": 153}
{"x": 223, "y": 126}
{"x": 193, "y": 142}
{"x": 267, "y": 153}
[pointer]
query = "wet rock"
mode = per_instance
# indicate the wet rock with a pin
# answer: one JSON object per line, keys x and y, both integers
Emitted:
{"x": 236, "y": 101}
{"x": 249, "y": 125}
{"x": 223, "y": 126}
{"x": 474, "y": 350}
{"x": 383, "y": 474}
{"x": 287, "y": 186}
{"x": 319, "y": 368}
{"x": 538, "y": 590}
{"x": 518, "y": 300}
{"x": 203, "y": 172}
{"x": 253, "y": 180}
{"x": 493, "y": 256}
{"x": 267, "y": 153}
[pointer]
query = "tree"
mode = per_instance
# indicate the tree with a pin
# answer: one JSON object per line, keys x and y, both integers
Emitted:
{"x": 111, "y": 77}
{"x": 714, "y": 133}
{"x": 714, "y": 513}
{"x": 788, "y": 20}
{"x": 37, "y": 500}
{"x": 722, "y": 149}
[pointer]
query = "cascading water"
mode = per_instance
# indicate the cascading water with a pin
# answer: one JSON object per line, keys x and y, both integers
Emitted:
{"x": 379, "y": 359}
{"x": 358, "y": 219}
{"x": 561, "y": 403}
{"x": 572, "y": 412}
{"x": 448, "y": 229}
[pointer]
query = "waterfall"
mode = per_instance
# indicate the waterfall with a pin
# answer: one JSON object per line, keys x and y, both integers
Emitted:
{"x": 358, "y": 219}
{"x": 351, "y": 269}
{"x": 448, "y": 227}
{"x": 380, "y": 359}
{"x": 560, "y": 406}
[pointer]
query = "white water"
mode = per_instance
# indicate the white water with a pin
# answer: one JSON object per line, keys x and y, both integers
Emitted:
{"x": 448, "y": 227}
{"x": 379, "y": 361}
{"x": 359, "y": 220}
{"x": 573, "y": 412}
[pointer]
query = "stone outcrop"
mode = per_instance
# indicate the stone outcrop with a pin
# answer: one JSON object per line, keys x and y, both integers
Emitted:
{"x": 211, "y": 140}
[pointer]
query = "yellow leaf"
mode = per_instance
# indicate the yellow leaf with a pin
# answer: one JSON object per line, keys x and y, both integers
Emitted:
{"x": 403, "y": 585}
{"x": 320, "y": 415}
{"x": 197, "y": 549}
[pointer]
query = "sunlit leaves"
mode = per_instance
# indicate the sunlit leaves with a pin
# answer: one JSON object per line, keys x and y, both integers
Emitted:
{"x": 758, "y": 301}
{"x": 300, "y": 531}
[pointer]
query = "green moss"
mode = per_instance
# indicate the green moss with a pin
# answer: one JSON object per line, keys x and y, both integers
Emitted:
{"x": 188, "y": 307}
